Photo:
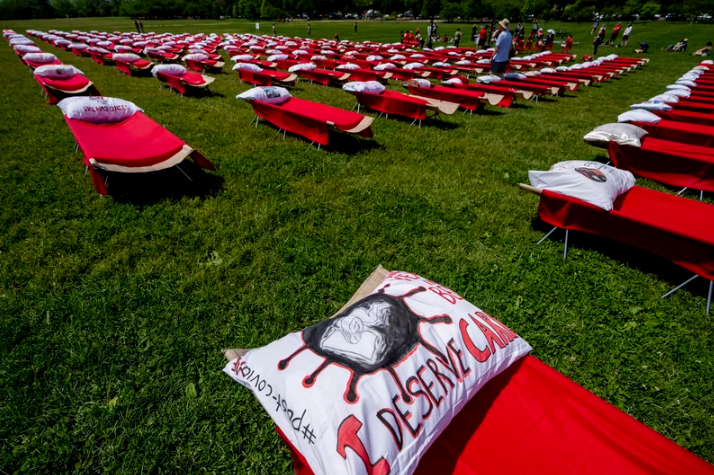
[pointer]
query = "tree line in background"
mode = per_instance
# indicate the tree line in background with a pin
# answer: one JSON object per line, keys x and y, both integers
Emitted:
{"x": 573, "y": 10}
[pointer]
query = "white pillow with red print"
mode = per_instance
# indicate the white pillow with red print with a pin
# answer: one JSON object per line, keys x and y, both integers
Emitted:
{"x": 369, "y": 390}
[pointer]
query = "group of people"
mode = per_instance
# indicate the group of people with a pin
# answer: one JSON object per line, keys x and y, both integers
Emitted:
{"x": 602, "y": 31}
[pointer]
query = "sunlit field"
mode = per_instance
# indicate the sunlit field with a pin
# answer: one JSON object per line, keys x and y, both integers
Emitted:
{"x": 114, "y": 310}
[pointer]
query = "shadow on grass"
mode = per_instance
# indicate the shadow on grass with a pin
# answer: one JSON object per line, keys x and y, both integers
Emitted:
{"x": 143, "y": 189}
{"x": 340, "y": 142}
{"x": 627, "y": 255}
{"x": 432, "y": 121}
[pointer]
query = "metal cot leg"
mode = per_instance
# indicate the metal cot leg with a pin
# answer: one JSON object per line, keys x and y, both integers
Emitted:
{"x": 565, "y": 251}
{"x": 680, "y": 286}
{"x": 546, "y": 236}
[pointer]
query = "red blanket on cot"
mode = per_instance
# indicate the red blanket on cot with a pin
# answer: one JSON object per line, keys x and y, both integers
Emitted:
{"x": 312, "y": 119}
{"x": 671, "y": 163}
{"x": 469, "y": 100}
{"x": 77, "y": 84}
{"x": 136, "y": 142}
{"x": 675, "y": 228}
{"x": 266, "y": 77}
{"x": 393, "y": 102}
{"x": 690, "y": 117}
{"x": 691, "y": 105}
{"x": 675, "y": 131}
{"x": 324, "y": 76}
{"x": 532, "y": 420}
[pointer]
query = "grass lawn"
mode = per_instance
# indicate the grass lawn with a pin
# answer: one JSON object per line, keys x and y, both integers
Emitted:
{"x": 113, "y": 311}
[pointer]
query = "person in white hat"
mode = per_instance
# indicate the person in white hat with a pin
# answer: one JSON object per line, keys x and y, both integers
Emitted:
{"x": 501, "y": 54}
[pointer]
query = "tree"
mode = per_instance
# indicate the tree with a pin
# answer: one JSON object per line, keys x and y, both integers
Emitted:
{"x": 650, "y": 9}
{"x": 450, "y": 11}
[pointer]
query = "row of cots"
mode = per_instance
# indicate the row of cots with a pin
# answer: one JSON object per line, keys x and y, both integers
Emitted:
{"x": 585, "y": 196}
{"x": 332, "y": 63}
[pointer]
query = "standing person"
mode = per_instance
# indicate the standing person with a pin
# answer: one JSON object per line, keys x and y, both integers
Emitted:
{"x": 501, "y": 54}
{"x": 273, "y": 29}
{"x": 482, "y": 35}
{"x": 519, "y": 30}
{"x": 336, "y": 37}
{"x": 355, "y": 27}
{"x": 474, "y": 33}
{"x": 141, "y": 26}
{"x": 615, "y": 31}
{"x": 457, "y": 37}
{"x": 309, "y": 29}
{"x": 595, "y": 26}
{"x": 136, "y": 24}
{"x": 435, "y": 30}
{"x": 598, "y": 39}
{"x": 419, "y": 39}
{"x": 626, "y": 34}
{"x": 568, "y": 45}
{"x": 534, "y": 30}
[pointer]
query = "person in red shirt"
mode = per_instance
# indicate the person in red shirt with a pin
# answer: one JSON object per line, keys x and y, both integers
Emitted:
{"x": 568, "y": 45}
{"x": 482, "y": 35}
{"x": 615, "y": 32}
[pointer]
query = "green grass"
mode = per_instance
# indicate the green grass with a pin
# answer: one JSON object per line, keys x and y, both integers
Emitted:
{"x": 112, "y": 311}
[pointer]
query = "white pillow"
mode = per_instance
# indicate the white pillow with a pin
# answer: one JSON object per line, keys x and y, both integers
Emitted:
{"x": 533, "y": 73}
{"x": 624, "y": 134}
{"x": 686, "y": 83}
{"x": 440, "y": 64}
{"x": 247, "y": 67}
{"x": 411, "y": 347}
{"x": 242, "y": 57}
{"x": 548, "y": 70}
{"x": 370, "y": 87}
{"x": 57, "y": 71}
{"x": 122, "y": 49}
{"x": 27, "y": 49}
{"x": 271, "y": 95}
{"x": 638, "y": 115}
{"x": 397, "y": 57}
{"x": 454, "y": 81}
{"x": 126, "y": 57}
{"x": 465, "y": 62}
{"x": 419, "y": 82}
{"x": 652, "y": 106}
{"x": 40, "y": 58}
{"x": 483, "y": 61}
{"x": 488, "y": 79}
{"x": 374, "y": 58}
{"x": 195, "y": 57}
{"x": 95, "y": 49}
{"x": 679, "y": 92}
{"x": 515, "y": 76}
{"x": 592, "y": 182}
{"x": 670, "y": 98}
{"x": 565, "y": 68}
{"x": 21, "y": 41}
{"x": 707, "y": 61}
{"x": 413, "y": 66}
{"x": 302, "y": 67}
{"x": 677, "y": 86}
{"x": 169, "y": 69}
{"x": 318, "y": 57}
{"x": 348, "y": 66}
{"x": 385, "y": 66}
{"x": 98, "y": 109}
{"x": 277, "y": 57}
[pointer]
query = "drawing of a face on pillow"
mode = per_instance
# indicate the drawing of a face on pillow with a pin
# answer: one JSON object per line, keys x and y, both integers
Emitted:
{"x": 592, "y": 173}
{"x": 369, "y": 335}
{"x": 372, "y": 334}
